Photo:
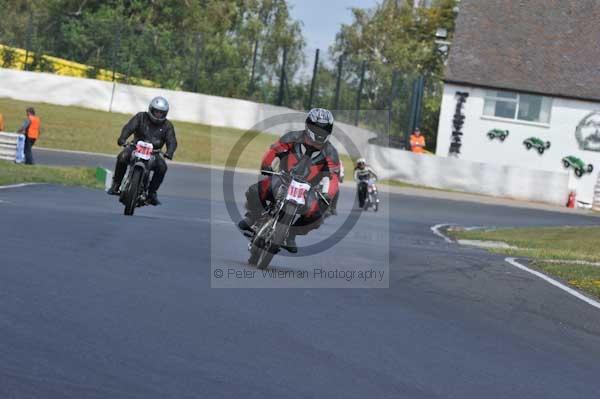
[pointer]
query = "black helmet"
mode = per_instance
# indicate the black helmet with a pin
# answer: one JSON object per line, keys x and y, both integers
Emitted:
{"x": 319, "y": 125}
{"x": 158, "y": 109}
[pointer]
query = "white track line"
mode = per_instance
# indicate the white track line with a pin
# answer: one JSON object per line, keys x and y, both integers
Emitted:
{"x": 513, "y": 262}
{"x": 436, "y": 230}
{"x": 98, "y": 154}
{"x": 191, "y": 164}
{"x": 19, "y": 185}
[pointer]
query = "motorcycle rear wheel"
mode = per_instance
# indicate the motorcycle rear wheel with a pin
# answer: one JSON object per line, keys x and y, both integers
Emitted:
{"x": 131, "y": 196}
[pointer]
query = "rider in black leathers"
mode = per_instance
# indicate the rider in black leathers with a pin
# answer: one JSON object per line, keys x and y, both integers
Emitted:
{"x": 152, "y": 127}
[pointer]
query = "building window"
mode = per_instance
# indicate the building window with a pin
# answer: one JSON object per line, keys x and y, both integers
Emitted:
{"x": 523, "y": 107}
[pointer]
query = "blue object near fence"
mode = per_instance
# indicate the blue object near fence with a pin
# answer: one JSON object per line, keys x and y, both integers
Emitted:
{"x": 20, "y": 155}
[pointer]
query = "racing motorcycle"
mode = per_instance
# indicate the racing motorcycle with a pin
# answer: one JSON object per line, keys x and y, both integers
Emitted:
{"x": 134, "y": 188}
{"x": 272, "y": 228}
{"x": 371, "y": 195}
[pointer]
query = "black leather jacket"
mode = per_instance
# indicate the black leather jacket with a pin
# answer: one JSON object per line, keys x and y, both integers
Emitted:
{"x": 144, "y": 129}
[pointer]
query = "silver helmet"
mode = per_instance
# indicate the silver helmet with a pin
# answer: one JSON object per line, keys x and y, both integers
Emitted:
{"x": 158, "y": 109}
{"x": 319, "y": 125}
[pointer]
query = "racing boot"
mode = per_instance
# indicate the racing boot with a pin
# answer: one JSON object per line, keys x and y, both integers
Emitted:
{"x": 114, "y": 189}
{"x": 290, "y": 243}
{"x": 246, "y": 224}
{"x": 153, "y": 199}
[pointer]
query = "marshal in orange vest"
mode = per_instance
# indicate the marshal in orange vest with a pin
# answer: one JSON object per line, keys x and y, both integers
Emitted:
{"x": 417, "y": 143}
{"x": 33, "y": 132}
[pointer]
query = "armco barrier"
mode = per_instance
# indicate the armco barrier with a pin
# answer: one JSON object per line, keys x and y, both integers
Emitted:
{"x": 472, "y": 177}
{"x": 11, "y": 146}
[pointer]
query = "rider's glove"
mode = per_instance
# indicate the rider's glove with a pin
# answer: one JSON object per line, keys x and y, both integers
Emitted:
{"x": 121, "y": 142}
{"x": 264, "y": 170}
{"x": 169, "y": 156}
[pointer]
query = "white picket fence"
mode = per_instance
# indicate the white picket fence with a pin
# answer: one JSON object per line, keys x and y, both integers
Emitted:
{"x": 8, "y": 146}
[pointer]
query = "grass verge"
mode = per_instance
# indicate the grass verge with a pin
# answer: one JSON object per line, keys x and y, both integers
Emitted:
{"x": 11, "y": 173}
{"x": 585, "y": 278}
{"x": 551, "y": 243}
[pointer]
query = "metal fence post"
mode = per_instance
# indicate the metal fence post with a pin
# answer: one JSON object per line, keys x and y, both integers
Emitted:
{"x": 415, "y": 105}
{"x": 282, "y": 77}
{"x": 420, "y": 92}
{"x": 393, "y": 93}
{"x": 28, "y": 39}
{"x": 196, "y": 70}
{"x": 411, "y": 121}
{"x": 314, "y": 80}
{"x": 359, "y": 92}
{"x": 253, "y": 71}
{"x": 338, "y": 83}
{"x": 116, "y": 47}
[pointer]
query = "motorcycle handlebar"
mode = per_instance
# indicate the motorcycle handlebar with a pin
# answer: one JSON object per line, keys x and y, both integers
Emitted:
{"x": 286, "y": 174}
{"x": 270, "y": 172}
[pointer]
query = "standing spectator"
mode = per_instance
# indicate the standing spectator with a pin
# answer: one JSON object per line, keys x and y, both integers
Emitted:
{"x": 31, "y": 129}
{"x": 417, "y": 142}
{"x": 1, "y": 123}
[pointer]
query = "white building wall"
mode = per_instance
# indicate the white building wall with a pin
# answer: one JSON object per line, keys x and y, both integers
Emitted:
{"x": 476, "y": 146}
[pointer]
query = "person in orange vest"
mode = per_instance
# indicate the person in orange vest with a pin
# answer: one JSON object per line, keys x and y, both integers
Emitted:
{"x": 31, "y": 129}
{"x": 417, "y": 142}
{"x": 1, "y": 123}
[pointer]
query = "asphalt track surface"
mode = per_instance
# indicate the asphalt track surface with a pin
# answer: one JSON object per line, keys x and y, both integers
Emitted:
{"x": 94, "y": 304}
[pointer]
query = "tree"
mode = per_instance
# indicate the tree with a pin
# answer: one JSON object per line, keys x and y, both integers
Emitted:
{"x": 393, "y": 36}
{"x": 160, "y": 40}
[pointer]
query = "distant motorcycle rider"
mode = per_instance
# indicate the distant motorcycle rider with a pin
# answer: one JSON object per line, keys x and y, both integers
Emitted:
{"x": 152, "y": 127}
{"x": 362, "y": 174}
{"x": 307, "y": 153}
{"x": 332, "y": 211}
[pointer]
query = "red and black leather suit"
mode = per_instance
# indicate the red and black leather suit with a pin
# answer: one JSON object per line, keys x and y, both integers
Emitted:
{"x": 310, "y": 162}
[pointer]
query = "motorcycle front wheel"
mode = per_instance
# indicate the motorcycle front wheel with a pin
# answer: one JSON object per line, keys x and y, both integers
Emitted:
{"x": 263, "y": 254}
{"x": 131, "y": 195}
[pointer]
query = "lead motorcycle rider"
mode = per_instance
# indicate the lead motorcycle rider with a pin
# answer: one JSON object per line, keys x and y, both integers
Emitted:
{"x": 308, "y": 153}
{"x": 152, "y": 127}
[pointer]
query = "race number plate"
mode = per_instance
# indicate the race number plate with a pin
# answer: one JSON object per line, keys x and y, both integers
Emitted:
{"x": 143, "y": 150}
{"x": 296, "y": 192}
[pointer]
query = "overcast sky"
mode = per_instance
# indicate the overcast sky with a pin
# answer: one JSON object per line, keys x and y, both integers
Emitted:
{"x": 322, "y": 20}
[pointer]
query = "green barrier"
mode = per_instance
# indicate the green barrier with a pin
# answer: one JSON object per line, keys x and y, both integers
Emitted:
{"x": 104, "y": 176}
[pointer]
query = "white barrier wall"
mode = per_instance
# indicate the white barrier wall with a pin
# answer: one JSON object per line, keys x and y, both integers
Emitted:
{"x": 128, "y": 99}
{"x": 473, "y": 177}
